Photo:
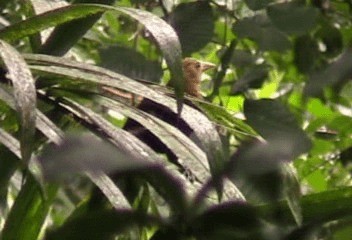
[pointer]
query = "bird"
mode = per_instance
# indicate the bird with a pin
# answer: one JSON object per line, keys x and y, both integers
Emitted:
{"x": 192, "y": 73}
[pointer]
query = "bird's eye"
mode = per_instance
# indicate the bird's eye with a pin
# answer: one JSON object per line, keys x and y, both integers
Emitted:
{"x": 197, "y": 65}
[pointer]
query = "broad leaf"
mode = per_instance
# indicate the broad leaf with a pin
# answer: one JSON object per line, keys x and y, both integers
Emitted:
{"x": 274, "y": 122}
{"x": 194, "y": 25}
{"x": 293, "y": 17}
{"x": 260, "y": 29}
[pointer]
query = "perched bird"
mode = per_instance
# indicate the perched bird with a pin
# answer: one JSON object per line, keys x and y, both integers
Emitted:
{"x": 192, "y": 71}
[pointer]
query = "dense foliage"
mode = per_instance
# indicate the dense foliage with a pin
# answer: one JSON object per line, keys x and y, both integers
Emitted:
{"x": 267, "y": 152}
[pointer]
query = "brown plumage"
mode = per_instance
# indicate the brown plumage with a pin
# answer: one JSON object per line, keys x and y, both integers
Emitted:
{"x": 192, "y": 71}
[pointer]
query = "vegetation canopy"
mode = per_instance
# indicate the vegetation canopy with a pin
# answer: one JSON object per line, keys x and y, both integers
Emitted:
{"x": 146, "y": 119}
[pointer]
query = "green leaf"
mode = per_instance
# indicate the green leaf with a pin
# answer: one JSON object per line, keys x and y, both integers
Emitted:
{"x": 260, "y": 29}
{"x": 224, "y": 118}
{"x": 194, "y": 24}
{"x": 63, "y": 37}
{"x": 293, "y": 17}
{"x": 275, "y": 123}
{"x": 25, "y": 95}
{"x": 48, "y": 19}
{"x": 30, "y": 209}
{"x": 257, "y": 4}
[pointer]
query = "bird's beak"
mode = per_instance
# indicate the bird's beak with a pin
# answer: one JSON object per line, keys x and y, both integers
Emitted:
{"x": 207, "y": 65}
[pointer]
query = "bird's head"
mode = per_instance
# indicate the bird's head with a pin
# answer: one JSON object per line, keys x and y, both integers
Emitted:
{"x": 192, "y": 71}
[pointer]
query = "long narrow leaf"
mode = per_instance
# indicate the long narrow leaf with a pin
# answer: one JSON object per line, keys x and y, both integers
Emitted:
{"x": 54, "y": 134}
{"x": 188, "y": 153}
{"x": 135, "y": 149}
{"x": 46, "y": 20}
{"x": 31, "y": 207}
{"x": 25, "y": 95}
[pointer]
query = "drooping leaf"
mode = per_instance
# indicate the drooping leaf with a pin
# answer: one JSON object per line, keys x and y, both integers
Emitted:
{"x": 63, "y": 37}
{"x": 25, "y": 95}
{"x": 45, "y": 20}
{"x": 194, "y": 25}
{"x": 169, "y": 44}
{"x": 260, "y": 29}
{"x": 293, "y": 17}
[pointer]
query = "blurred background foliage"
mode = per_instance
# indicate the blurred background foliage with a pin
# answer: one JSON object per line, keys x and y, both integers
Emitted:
{"x": 265, "y": 155}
